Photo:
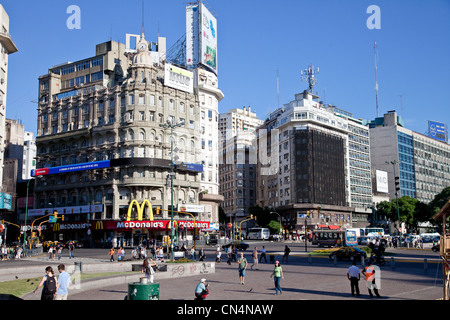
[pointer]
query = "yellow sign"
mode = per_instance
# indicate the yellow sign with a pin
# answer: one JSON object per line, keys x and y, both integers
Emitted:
{"x": 56, "y": 227}
{"x": 98, "y": 225}
{"x": 140, "y": 209}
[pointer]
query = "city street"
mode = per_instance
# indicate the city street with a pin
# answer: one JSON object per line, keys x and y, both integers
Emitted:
{"x": 321, "y": 279}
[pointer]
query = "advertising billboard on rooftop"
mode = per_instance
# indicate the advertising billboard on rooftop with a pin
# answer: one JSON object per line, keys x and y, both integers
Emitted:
{"x": 438, "y": 130}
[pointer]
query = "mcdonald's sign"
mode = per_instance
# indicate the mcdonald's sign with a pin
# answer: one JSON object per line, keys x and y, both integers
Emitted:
{"x": 140, "y": 209}
{"x": 99, "y": 225}
{"x": 56, "y": 227}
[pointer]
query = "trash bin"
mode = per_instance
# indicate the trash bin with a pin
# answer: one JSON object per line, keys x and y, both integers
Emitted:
{"x": 79, "y": 267}
{"x": 272, "y": 258}
{"x": 141, "y": 291}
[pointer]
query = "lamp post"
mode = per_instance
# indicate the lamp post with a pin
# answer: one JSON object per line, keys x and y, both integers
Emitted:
{"x": 171, "y": 126}
{"x": 394, "y": 163}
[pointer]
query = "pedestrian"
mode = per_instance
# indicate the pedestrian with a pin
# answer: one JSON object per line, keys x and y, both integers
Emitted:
{"x": 277, "y": 275}
{"x": 229, "y": 254}
{"x": 353, "y": 274}
{"x": 255, "y": 258}
{"x": 369, "y": 272}
{"x": 234, "y": 254}
{"x": 201, "y": 254}
{"x": 218, "y": 254}
{"x": 111, "y": 254}
{"x": 62, "y": 285}
{"x": 263, "y": 254}
{"x": 242, "y": 262}
{"x": 59, "y": 252}
{"x": 71, "y": 247}
{"x": 50, "y": 253}
{"x": 201, "y": 291}
{"x": 193, "y": 253}
{"x": 286, "y": 254}
{"x": 49, "y": 283}
{"x": 147, "y": 269}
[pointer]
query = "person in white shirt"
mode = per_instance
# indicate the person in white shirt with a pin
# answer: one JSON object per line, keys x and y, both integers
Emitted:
{"x": 353, "y": 274}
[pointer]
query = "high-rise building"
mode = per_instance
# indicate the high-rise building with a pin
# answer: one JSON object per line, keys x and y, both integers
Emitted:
{"x": 113, "y": 112}
{"x": 237, "y": 173}
{"x": 322, "y": 164}
{"x": 421, "y": 163}
{"x": 7, "y": 47}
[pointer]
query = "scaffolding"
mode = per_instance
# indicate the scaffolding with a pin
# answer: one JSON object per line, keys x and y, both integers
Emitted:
{"x": 445, "y": 248}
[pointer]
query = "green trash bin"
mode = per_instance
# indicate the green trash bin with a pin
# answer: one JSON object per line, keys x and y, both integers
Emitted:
{"x": 140, "y": 291}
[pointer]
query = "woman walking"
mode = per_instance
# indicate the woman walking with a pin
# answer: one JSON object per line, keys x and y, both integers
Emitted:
{"x": 49, "y": 283}
{"x": 277, "y": 276}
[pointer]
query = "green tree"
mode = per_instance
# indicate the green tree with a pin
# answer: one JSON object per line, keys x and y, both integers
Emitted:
{"x": 274, "y": 227}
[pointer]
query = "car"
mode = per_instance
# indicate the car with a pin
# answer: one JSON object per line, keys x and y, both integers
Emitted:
{"x": 348, "y": 253}
{"x": 436, "y": 247}
{"x": 239, "y": 245}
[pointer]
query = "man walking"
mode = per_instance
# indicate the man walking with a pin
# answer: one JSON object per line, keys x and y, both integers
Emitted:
{"x": 263, "y": 254}
{"x": 242, "y": 267}
{"x": 369, "y": 272}
{"x": 255, "y": 258}
{"x": 353, "y": 274}
{"x": 62, "y": 284}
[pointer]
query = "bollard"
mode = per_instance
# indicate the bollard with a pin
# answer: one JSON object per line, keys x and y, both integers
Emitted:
{"x": 309, "y": 259}
{"x": 79, "y": 267}
{"x": 392, "y": 263}
{"x": 425, "y": 265}
{"x": 362, "y": 260}
{"x": 334, "y": 260}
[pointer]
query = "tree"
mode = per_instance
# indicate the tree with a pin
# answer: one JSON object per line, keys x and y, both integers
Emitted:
{"x": 274, "y": 227}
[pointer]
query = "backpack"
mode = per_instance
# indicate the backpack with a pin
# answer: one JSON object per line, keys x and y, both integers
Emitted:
{"x": 50, "y": 285}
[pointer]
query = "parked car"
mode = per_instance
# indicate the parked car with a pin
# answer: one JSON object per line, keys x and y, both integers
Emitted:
{"x": 348, "y": 253}
{"x": 239, "y": 245}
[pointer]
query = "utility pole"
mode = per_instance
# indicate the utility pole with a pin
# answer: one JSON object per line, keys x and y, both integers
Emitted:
{"x": 397, "y": 189}
{"x": 171, "y": 126}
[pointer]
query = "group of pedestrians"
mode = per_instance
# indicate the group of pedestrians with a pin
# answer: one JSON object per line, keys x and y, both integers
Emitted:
{"x": 54, "y": 288}
{"x": 10, "y": 253}
{"x": 372, "y": 279}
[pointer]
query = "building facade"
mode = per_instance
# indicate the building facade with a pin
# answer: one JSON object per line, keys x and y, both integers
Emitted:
{"x": 237, "y": 173}
{"x": 7, "y": 47}
{"x": 112, "y": 108}
{"x": 421, "y": 163}
{"x": 323, "y": 165}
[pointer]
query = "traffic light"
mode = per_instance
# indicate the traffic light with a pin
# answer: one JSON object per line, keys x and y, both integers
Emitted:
{"x": 62, "y": 217}
{"x": 397, "y": 184}
{"x": 55, "y": 214}
{"x": 157, "y": 210}
{"x": 307, "y": 214}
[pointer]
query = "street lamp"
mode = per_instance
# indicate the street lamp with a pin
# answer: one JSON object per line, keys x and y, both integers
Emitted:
{"x": 394, "y": 163}
{"x": 169, "y": 125}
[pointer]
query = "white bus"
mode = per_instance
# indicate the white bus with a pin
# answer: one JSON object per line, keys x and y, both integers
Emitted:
{"x": 258, "y": 233}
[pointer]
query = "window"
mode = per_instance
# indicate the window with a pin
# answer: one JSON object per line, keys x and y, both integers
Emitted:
{"x": 97, "y": 76}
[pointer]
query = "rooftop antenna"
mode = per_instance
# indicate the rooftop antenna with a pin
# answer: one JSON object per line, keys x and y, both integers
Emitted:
{"x": 376, "y": 76}
{"x": 308, "y": 75}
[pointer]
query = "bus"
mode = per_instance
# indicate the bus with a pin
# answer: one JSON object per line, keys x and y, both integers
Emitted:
{"x": 329, "y": 238}
{"x": 258, "y": 234}
{"x": 374, "y": 232}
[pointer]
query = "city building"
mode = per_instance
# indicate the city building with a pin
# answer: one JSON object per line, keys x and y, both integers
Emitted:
{"x": 321, "y": 173}
{"x": 421, "y": 163}
{"x": 237, "y": 170}
{"x": 107, "y": 126}
{"x": 7, "y": 47}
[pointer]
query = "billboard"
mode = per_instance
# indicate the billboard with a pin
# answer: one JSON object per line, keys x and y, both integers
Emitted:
{"x": 382, "y": 181}
{"x": 438, "y": 130}
{"x": 178, "y": 78}
{"x": 71, "y": 168}
{"x": 192, "y": 35}
{"x": 208, "y": 39}
{"x": 201, "y": 37}
{"x": 5, "y": 201}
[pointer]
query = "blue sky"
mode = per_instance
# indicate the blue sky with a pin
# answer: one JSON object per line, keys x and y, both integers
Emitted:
{"x": 255, "y": 39}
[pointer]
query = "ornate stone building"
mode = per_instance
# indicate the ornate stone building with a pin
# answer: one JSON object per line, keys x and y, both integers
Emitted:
{"x": 112, "y": 107}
